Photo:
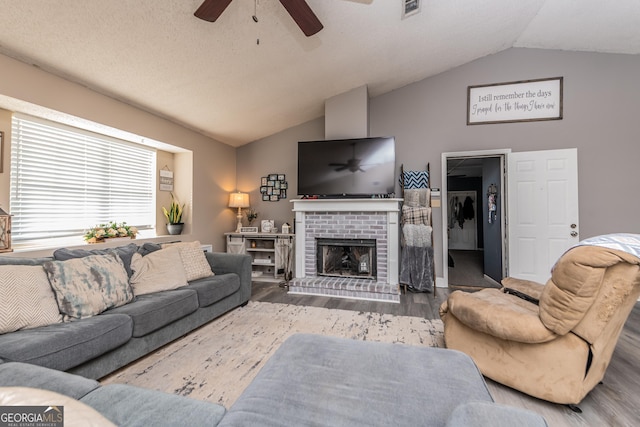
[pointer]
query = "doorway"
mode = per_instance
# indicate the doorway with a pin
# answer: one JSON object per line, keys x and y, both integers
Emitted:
{"x": 474, "y": 230}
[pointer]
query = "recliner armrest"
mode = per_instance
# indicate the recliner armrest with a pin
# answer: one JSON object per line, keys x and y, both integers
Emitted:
{"x": 501, "y": 315}
{"x": 528, "y": 287}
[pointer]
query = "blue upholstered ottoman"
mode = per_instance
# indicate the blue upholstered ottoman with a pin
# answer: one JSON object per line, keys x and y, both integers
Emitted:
{"x": 315, "y": 380}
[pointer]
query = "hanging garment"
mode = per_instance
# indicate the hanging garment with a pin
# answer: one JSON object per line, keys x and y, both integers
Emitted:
{"x": 460, "y": 215}
{"x": 468, "y": 210}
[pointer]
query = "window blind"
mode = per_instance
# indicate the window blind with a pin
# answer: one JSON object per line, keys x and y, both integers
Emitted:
{"x": 65, "y": 180}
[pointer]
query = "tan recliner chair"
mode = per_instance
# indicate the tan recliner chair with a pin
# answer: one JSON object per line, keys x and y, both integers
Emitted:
{"x": 558, "y": 349}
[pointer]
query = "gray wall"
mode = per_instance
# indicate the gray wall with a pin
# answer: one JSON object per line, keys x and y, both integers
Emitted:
{"x": 428, "y": 118}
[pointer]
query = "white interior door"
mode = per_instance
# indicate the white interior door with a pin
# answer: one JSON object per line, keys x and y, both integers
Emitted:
{"x": 542, "y": 210}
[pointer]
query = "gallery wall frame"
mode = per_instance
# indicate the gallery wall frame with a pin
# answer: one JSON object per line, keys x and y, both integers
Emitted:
{"x": 519, "y": 101}
{"x": 273, "y": 187}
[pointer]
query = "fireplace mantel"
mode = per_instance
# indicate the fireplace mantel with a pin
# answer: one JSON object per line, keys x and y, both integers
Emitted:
{"x": 346, "y": 205}
{"x": 375, "y": 218}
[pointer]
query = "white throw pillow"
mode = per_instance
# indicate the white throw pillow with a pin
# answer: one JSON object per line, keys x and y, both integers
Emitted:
{"x": 75, "y": 414}
{"x": 159, "y": 271}
{"x": 193, "y": 258}
{"x": 26, "y": 298}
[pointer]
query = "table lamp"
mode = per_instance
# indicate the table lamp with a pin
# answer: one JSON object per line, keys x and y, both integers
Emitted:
{"x": 239, "y": 200}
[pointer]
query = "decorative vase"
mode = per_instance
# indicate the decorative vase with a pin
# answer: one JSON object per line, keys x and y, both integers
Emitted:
{"x": 175, "y": 229}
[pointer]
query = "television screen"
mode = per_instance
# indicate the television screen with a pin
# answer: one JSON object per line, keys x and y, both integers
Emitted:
{"x": 347, "y": 167}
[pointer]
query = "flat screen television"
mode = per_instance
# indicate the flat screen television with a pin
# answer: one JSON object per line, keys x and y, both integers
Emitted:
{"x": 363, "y": 167}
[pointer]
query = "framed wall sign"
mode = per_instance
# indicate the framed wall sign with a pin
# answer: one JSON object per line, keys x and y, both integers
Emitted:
{"x": 166, "y": 180}
{"x": 523, "y": 101}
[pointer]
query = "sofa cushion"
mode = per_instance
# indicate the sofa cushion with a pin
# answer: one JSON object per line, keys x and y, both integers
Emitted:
{"x": 26, "y": 298}
{"x": 66, "y": 345}
{"x": 76, "y": 413}
{"x": 87, "y": 286}
{"x": 159, "y": 271}
{"x": 193, "y": 259}
{"x": 131, "y": 406}
{"x": 212, "y": 289}
{"x": 17, "y": 374}
{"x": 321, "y": 380}
{"x": 153, "y": 311}
{"x": 124, "y": 252}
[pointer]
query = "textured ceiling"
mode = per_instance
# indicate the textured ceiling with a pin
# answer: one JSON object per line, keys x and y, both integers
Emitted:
{"x": 216, "y": 79}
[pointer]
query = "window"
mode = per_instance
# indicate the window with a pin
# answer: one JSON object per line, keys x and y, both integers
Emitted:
{"x": 65, "y": 180}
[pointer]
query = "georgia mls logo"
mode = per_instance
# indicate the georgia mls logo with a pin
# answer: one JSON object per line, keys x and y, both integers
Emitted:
{"x": 31, "y": 416}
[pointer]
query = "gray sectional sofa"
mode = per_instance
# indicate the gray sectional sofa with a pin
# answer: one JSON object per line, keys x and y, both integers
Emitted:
{"x": 96, "y": 346}
{"x": 311, "y": 380}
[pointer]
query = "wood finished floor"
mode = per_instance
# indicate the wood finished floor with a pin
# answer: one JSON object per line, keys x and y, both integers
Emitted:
{"x": 613, "y": 403}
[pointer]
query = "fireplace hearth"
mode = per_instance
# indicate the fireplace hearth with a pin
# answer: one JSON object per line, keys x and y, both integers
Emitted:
{"x": 354, "y": 258}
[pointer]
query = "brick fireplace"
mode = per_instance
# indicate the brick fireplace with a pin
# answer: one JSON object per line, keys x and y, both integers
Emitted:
{"x": 359, "y": 223}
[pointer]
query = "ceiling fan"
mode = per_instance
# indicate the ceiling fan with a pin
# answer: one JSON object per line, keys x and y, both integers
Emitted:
{"x": 353, "y": 164}
{"x": 210, "y": 10}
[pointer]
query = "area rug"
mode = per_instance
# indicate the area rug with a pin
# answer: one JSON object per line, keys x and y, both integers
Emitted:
{"x": 216, "y": 362}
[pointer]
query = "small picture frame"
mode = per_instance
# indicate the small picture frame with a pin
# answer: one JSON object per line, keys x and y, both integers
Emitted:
{"x": 265, "y": 197}
{"x": 281, "y": 177}
{"x": 263, "y": 181}
{"x": 266, "y": 225}
{"x": 248, "y": 229}
{"x": 273, "y": 177}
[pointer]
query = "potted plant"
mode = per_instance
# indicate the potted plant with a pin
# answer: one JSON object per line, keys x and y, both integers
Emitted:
{"x": 174, "y": 216}
{"x": 251, "y": 216}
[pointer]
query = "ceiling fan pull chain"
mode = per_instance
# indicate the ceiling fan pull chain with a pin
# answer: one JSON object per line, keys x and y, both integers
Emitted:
{"x": 255, "y": 18}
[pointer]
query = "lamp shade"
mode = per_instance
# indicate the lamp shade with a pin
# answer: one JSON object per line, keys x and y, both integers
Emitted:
{"x": 239, "y": 200}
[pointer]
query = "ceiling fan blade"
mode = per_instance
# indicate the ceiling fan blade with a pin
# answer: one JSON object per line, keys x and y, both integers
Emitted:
{"x": 303, "y": 15}
{"x": 210, "y": 10}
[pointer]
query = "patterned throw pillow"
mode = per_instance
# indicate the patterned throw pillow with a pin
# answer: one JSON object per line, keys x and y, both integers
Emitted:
{"x": 26, "y": 298}
{"x": 193, "y": 259}
{"x": 88, "y": 286}
{"x": 159, "y": 271}
{"x": 416, "y": 215}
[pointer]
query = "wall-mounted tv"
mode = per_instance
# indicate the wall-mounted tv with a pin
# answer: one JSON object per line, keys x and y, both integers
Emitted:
{"x": 363, "y": 167}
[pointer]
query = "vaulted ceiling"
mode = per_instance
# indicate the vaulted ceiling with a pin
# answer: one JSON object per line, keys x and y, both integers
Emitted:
{"x": 237, "y": 80}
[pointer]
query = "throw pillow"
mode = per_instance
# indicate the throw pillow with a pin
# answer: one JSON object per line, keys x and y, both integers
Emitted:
{"x": 159, "y": 271}
{"x": 26, "y": 298}
{"x": 88, "y": 286}
{"x": 76, "y": 413}
{"x": 124, "y": 252}
{"x": 417, "y": 216}
{"x": 193, "y": 259}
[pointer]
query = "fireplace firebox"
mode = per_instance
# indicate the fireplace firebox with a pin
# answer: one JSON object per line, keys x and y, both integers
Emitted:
{"x": 354, "y": 258}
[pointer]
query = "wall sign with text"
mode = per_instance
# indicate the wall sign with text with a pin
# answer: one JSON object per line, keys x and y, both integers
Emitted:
{"x": 523, "y": 101}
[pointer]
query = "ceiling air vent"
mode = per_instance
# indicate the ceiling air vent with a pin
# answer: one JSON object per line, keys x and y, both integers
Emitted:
{"x": 410, "y": 7}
